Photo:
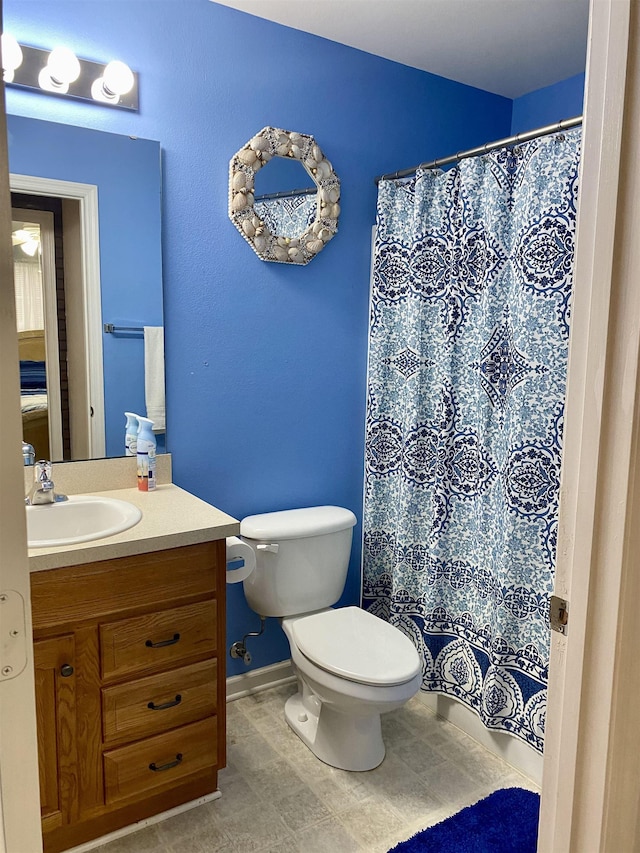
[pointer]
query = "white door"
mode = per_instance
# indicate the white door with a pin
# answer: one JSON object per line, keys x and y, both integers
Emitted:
{"x": 591, "y": 780}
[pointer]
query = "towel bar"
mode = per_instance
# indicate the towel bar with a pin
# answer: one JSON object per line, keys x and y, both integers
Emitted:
{"x": 110, "y": 328}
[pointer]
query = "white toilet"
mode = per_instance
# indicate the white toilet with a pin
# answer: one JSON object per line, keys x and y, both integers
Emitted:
{"x": 351, "y": 666}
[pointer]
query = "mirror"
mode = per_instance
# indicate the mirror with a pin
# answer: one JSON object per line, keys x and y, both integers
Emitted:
{"x": 286, "y": 217}
{"x": 103, "y": 191}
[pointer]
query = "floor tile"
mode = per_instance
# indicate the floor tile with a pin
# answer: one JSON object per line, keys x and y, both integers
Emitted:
{"x": 277, "y": 797}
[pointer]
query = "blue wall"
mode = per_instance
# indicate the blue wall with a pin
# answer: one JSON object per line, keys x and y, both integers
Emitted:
{"x": 266, "y": 363}
{"x": 548, "y": 105}
{"x": 127, "y": 174}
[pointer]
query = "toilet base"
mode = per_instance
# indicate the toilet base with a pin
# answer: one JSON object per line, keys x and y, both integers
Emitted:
{"x": 345, "y": 741}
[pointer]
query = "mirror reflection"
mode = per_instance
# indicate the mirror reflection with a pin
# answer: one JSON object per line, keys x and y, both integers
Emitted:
{"x": 87, "y": 203}
{"x": 285, "y": 197}
{"x": 38, "y": 370}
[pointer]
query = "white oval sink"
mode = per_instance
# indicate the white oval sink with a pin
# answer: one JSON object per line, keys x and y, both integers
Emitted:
{"x": 79, "y": 519}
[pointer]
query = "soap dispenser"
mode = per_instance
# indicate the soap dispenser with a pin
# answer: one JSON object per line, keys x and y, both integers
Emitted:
{"x": 130, "y": 434}
{"x": 146, "y": 454}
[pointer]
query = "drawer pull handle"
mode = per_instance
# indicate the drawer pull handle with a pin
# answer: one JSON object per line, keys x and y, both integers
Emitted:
{"x": 151, "y": 645}
{"x": 66, "y": 670}
{"x": 166, "y": 705}
{"x": 153, "y": 766}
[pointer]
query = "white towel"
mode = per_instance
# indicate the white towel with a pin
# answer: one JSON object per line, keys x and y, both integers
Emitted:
{"x": 154, "y": 376}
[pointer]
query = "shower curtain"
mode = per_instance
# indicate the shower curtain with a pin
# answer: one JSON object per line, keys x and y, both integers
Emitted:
{"x": 469, "y": 328}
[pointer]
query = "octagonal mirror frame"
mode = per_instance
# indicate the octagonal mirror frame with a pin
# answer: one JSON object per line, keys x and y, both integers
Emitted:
{"x": 274, "y": 142}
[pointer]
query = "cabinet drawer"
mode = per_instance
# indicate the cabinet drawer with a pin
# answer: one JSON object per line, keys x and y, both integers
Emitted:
{"x": 157, "y": 639}
{"x": 164, "y": 760}
{"x": 157, "y": 703}
{"x": 151, "y": 581}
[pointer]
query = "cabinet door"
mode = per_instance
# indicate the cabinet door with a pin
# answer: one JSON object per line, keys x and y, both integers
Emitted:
{"x": 56, "y": 719}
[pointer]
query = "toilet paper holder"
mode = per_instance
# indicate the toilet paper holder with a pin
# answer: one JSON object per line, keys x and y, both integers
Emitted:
{"x": 241, "y": 560}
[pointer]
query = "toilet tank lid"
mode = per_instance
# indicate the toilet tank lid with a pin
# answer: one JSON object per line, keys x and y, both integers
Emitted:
{"x": 297, "y": 523}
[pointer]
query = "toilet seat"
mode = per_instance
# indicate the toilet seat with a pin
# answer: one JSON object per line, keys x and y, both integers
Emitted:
{"x": 353, "y": 644}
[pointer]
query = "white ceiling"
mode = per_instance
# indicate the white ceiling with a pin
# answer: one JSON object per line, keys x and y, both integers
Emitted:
{"x": 509, "y": 47}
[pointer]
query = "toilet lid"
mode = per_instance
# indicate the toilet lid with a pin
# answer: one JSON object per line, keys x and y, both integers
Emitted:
{"x": 357, "y": 645}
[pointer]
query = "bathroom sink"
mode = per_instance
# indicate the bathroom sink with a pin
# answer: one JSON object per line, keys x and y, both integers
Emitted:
{"x": 79, "y": 519}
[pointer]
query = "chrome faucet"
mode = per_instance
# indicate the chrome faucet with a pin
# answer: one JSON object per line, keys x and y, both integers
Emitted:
{"x": 43, "y": 491}
{"x": 28, "y": 454}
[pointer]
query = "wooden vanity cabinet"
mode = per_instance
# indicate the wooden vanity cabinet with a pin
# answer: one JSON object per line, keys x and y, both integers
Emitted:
{"x": 130, "y": 688}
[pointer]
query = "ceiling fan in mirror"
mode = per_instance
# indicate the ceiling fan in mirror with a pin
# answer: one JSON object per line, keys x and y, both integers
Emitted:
{"x": 26, "y": 237}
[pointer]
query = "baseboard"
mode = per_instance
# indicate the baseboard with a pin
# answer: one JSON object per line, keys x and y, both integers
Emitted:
{"x": 510, "y": 749}
{"x": 134, "y": 827}
{"x": 256, "y": 680}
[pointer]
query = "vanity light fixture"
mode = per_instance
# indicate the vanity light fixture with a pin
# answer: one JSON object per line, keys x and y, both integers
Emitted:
{"x": 61, "y": 72}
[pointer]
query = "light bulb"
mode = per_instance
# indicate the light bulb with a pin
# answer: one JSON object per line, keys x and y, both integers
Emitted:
{"x": 117, "y": 79}
{"x": 62, "y": 68}
{"x": 11, "y": 56}
{"x": 63, "y": 65}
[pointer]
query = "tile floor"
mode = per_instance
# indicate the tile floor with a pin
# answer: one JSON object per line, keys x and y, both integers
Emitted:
{"x": 277, "y": 797}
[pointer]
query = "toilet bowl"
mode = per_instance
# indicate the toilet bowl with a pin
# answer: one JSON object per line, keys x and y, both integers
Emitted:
{"x": 351, "y": 668}
{"x": 350, "y": 665}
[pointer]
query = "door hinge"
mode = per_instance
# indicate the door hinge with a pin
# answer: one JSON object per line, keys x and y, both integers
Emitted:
{"x": 13, "y": 635}
{"x": 558, "y": 614}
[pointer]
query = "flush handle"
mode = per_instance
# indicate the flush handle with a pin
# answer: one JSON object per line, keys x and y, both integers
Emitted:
{"x": 272, "y": 549}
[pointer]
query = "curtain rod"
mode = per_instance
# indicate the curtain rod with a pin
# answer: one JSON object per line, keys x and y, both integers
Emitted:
{"x": 565, "y": 124}
{"x": 286, "y": 193}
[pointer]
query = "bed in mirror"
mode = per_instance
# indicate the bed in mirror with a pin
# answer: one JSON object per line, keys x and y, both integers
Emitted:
{"x": 33, "y": 391}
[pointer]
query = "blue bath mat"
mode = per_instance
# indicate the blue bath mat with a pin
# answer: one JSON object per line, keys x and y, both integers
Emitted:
{"x": 504, "y": 822}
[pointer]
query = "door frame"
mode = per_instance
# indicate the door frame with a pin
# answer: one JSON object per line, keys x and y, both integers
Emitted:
{"x": 19, "y": 778}
{"x": 85, "y": 364}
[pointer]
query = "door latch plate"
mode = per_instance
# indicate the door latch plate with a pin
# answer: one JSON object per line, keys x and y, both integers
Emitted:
{"x": 559, "y": 614}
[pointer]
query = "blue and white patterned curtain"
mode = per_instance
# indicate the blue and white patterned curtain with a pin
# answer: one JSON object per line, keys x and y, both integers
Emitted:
{"x": 287, "y": 216}
{"x": 467, "y": 364}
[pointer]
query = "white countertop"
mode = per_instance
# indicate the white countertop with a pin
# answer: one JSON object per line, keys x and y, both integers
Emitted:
{"x": 171, "y": 517}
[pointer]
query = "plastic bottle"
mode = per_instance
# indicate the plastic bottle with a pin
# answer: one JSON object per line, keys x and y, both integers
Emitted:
{"x": 130, "y": 434}
{"x": 146, "y": 453}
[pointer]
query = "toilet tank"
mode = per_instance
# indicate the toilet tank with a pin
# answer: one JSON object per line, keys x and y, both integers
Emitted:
{"x": 302, "y": 557}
